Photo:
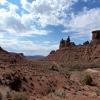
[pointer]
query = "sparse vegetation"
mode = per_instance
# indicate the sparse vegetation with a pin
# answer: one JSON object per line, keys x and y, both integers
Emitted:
{"x": 19, "y": 96}
{"x": 16, "y": 84}
{"x": 98, "y": 92}
{"x": 54, "y": 68}
{"x": 87, "y": 79}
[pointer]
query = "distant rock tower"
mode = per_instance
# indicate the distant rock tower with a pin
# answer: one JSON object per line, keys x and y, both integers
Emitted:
{"x": 96, "y": 37}
{"x": 67, "y": 42}
{"x": 62, "y": 44}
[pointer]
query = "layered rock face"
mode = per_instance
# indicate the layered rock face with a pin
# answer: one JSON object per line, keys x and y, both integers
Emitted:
{"x": 11, "y": 57}
{"x": 70, "y": 54}
{"x": 96, "y": 37}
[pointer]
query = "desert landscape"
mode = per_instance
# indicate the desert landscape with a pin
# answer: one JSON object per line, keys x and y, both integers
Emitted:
{"x": 70, "y": 73}
{"x": 49, "y": 50}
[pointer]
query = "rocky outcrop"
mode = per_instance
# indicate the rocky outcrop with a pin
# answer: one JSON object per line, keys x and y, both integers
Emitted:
{"x": 96, "y": 37}
{"x": 66, "y": 43}
{"x": 11, "y": 57}
{"x": 71, "y": 54}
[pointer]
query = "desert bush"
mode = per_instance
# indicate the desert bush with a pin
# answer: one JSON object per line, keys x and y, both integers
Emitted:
{"x": 19, "y": 96}
{"x": 54, "y": 68}
{"x": 98, "y": 92}
{"x": 87, "y": 80}
{"x": 16, "y": 84}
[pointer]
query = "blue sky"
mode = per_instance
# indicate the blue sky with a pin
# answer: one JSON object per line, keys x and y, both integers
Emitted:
{"x": 35, "y": 27}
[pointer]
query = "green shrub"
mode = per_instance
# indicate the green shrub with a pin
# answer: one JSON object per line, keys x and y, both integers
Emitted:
{"x": 87, "y": 80}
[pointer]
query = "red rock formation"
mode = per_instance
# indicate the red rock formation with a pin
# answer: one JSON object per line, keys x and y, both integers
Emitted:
{"x": 65, "y": 43}
{"x": 62, "y": 44}
{"x": 79, "y": 54}
{"x": 11, "y": 57}
{"x": 96, "y": 37}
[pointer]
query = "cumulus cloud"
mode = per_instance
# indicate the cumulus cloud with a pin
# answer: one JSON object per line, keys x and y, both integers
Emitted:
{"x": 11, "y": 23}
{"x": 48, "y": 12}
{"x": 84, "y": 22}
{"x": 43, "y": 13}
{"x": 2, "y": 2}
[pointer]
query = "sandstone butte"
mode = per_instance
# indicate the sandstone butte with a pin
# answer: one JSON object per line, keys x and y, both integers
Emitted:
{"x": 71, "y": 54}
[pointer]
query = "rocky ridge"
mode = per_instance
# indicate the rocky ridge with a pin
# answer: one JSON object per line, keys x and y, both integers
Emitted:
{"x": 71, "y": 54}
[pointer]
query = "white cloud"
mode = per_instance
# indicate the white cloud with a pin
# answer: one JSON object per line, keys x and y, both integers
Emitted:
{"x": 27, "y": 47}
{"x": 47, "y": 11}
{"x": 11, "y": 23}
{"x": 2, "y": 2}
{"x": 13, "y": 7}
{"x": 42, "y": 12}
{"x": 14, "y": 24}
{"x": 26, "y": 5}
{"x": 85, "y": 22}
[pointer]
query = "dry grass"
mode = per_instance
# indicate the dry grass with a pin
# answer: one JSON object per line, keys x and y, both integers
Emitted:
{"x": 19, "y": 96}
